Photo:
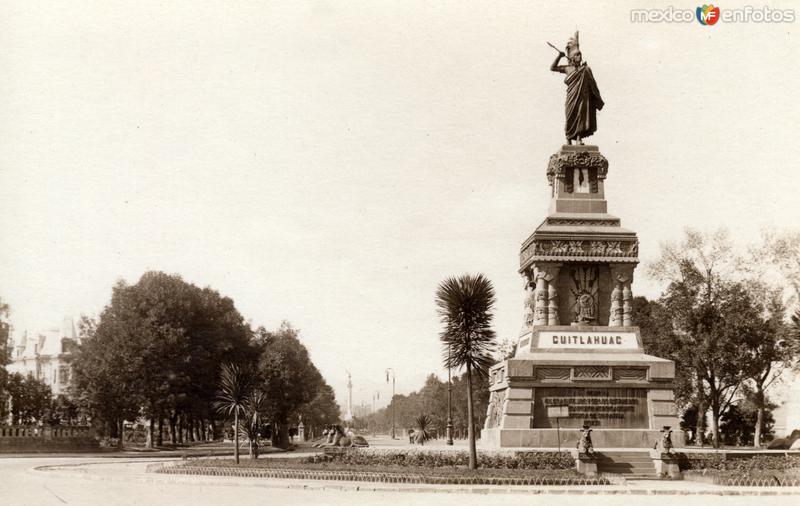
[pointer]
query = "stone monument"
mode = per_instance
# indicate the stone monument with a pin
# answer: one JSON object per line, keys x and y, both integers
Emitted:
{"x": 579, "y": 360}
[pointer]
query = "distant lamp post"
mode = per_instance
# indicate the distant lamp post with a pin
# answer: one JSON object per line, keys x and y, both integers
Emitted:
{"x": 392, "y": 401}
{"x": 376, "y": 396}
{"x": 449, "y": 399}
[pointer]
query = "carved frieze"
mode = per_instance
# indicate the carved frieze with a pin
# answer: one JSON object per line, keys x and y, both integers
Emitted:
{"x": 621, "y": 251}
{"x": 582, "y": 222}
{"x": 561, "y": 162}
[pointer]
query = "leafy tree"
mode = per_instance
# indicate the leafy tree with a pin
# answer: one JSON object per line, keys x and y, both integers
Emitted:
{"x": 767, "y": 353}
{"x": 465, "y": 304}
{"x": 235, "y": 390}
{"x": 290, "y": 380}
{"x": 738, "y": 423}
{"x": 321, "y": 411}
{"x": 150, "y": 350}
{"x": 5, "y": 356}
{"x": 31, "y": 399}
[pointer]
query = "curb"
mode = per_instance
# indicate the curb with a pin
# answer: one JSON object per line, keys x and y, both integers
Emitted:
{"x": 300, "y": 484}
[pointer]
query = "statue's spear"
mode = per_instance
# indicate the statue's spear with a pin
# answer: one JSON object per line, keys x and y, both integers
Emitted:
{"x": 554, "y": 47}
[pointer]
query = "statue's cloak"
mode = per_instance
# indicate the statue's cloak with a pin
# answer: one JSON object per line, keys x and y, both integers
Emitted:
{"x": 583, "y": 102}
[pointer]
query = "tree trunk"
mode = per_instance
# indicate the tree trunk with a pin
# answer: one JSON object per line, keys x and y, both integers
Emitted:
{"x": 700, "y": 424}
{"x": 121, "y": 444}
{"x": 160, "y": 435}
{"x": 715, "y": 422}
{"x": 473, "y": 454}
{"x": 172, "y": 436}
{"x": 760, "y": 415}
{"x": 236, "y": 436}
{"x": 150, "y": 431}
{"x": 180, "y": 429}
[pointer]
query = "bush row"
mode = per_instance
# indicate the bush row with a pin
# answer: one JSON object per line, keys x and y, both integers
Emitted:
{"x": 553, "y": 478}
{"x": 718, "y": 462}
{"x": 412, "y": 458}
{"x": 746, "y": 479}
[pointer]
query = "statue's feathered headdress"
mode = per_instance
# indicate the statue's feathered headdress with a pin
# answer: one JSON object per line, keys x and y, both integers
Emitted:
{"x": 572, "y": 44}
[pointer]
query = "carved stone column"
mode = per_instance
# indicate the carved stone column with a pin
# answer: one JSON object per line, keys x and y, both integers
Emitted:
{"x": 627, "y": 305}
{"x": 540, "y": 297}
{"x": 546, "y": 311}
{"x": 530, "y": 301}
{"x": 621, "y": 296}
{"x": 615, "y": 315}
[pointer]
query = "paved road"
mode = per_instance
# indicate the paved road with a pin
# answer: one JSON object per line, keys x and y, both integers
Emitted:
{"x": 120, "y": 482}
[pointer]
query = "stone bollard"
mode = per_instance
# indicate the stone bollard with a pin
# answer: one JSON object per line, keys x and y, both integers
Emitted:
{"x": 585, "y": 463}
{"x": 666, "y": 464}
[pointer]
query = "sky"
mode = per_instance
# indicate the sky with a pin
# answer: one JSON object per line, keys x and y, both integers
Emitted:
{"x": 329, "y": 163}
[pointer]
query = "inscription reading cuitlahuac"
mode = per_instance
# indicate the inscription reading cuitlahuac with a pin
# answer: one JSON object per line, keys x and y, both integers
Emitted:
{"x": 592, "y": 340}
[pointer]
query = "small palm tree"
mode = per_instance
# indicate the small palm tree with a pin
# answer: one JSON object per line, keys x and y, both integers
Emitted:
{"x": 465, "y": 306}
{"x": 235, "y": 385}
{"x": 422, "y": 434}
{"x": 250, "y": 425}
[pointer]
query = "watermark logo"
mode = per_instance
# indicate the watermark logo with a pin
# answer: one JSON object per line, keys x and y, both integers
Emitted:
{"x": 707, "y": 15}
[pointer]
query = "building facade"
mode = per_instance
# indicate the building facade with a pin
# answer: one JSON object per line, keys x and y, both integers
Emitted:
{"x": 46, "y": 356}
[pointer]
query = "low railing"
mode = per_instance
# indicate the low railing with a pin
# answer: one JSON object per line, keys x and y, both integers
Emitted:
{"x": 46, "y": 431}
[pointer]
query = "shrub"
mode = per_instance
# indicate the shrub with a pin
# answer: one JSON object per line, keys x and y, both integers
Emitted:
{"x": 748, "y": 464}
{"x": 417, "y": 458}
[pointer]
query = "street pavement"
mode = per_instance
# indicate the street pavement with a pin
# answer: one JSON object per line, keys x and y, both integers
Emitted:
{"x": 100, "y": 480}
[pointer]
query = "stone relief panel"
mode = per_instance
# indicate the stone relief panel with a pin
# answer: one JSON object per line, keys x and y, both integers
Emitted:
{"x": 552, "y": 373}
{"x": 591, "y": 372}
{"x": 495, "y": 411}
{"x": 630, "y": 374}
{"x": 585, "y": 280}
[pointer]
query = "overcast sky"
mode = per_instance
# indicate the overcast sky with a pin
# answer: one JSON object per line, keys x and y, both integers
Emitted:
{"x": 329, "y": 163}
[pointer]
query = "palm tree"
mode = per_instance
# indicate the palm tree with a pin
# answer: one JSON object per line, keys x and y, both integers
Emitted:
{"x": 254, "y": 406}
{"x": 423, "y": 429}
{"x": 464, "y": 305}
{"x": 235, "y": 385}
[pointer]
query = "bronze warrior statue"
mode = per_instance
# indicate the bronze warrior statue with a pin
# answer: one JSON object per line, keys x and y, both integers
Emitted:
{"x": 583, "y": 97}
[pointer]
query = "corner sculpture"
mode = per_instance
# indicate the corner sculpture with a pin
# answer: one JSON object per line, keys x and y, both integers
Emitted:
{"x": 335, "y": 436}
{"x": 585, "y": 446}
{"x": 583, "y": 97}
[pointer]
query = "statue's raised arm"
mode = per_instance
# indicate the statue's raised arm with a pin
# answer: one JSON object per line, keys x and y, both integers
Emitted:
{"x": 583, "y": 97}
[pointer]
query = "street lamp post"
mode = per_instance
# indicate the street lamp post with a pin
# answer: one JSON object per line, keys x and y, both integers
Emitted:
{"x": 449, "y": 399}
{"x": 392, "y": 401}
{"x": 376, "y": 396}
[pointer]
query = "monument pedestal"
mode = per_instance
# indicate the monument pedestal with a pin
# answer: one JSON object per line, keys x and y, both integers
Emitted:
{"x": 579, "y": 360}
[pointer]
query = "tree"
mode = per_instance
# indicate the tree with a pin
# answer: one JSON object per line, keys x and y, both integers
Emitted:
{"x": 235, "y": 388}
{"x": 422, "y": 429}
{"x": 766, "y": 351}
{"x": 31, "y": 399}
{"x": 5, "y": 356}
{"x": 465, "y": 306}
{"x": 150, "y": 351}
{"x": 321, "y": 411}
{"x": 288, "y": 378}
{"x": 703, "y": 304}
{"x": 250, "y": 426}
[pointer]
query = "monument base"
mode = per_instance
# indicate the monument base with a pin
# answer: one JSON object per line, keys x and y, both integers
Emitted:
{"x": 565, "y": 378}
{"x": 549, "y": 438}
